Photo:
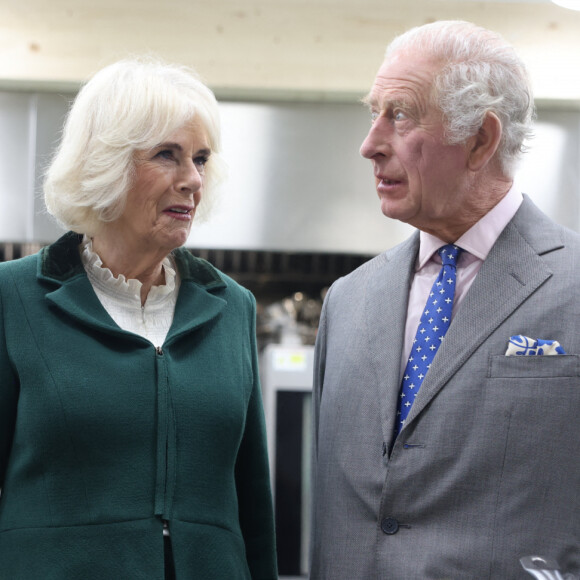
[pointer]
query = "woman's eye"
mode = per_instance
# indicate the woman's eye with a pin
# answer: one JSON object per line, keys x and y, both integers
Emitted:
{"x": 165, "y": 154}
{"x": 201, "y": 161}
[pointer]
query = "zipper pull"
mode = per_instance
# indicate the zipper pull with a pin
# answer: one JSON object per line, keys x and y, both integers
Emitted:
{"x": 159, "y": 350}
{"x": 166, "y": 528}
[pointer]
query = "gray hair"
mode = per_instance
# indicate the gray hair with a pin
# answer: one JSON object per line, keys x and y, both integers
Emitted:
{"x": 127, "y": 106}
{"x": 481, "y": 73}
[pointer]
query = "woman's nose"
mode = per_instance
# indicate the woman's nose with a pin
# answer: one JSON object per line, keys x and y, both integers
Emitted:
{"x": 190, "y": 178}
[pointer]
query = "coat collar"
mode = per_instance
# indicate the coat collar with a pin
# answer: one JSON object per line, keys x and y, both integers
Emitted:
{"x": 199, "y": 300}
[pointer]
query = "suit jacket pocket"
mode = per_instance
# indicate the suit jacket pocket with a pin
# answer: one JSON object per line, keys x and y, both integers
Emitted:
{"x": 554, "y": 366}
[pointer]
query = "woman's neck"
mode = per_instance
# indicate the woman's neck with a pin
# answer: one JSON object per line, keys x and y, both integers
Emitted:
{"x": 131, "y": 263}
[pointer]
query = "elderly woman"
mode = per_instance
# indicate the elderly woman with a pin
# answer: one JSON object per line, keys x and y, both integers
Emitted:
{"x": 132, "y": 440}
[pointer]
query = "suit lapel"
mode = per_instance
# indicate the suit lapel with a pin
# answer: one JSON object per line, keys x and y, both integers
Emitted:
{"x": 387, "y": 295}
{"x": 513, "y": 270}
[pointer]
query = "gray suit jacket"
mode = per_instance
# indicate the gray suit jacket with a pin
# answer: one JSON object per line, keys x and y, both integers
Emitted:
{"x": 487, "y": 467}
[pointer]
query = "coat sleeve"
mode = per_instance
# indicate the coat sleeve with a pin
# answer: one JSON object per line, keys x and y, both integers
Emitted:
{"x": 8, "y": 398}
{"x": 253, "y": 477}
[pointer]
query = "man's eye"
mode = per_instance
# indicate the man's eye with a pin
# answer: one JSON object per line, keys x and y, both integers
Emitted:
{"x": 374, "y": 116}
{"x": 399, "y": 116}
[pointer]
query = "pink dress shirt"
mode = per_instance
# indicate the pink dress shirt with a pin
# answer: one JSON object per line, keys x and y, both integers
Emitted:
{"x": 476, "y": 243}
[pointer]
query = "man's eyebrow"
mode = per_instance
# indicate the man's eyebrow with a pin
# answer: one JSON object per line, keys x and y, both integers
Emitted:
{"x": 384, "y": 103}
{"x": 368, "y": 100}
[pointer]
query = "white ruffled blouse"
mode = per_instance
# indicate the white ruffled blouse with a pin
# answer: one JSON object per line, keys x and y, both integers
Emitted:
{"x": 121, "y": 298}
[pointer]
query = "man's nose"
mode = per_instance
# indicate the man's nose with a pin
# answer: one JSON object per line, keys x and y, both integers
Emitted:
{"x": 377, "y": 141}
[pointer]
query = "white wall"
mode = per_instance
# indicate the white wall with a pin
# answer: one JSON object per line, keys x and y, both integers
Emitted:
{"x": 328, "y": 49}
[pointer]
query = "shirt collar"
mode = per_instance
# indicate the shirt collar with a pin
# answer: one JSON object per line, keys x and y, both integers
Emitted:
{"x": 480, "y": 238}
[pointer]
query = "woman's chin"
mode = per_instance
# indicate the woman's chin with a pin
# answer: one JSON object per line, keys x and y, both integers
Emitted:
{"x": 174, "y": 239}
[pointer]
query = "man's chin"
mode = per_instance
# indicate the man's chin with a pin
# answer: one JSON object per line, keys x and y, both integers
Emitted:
{"x": 396, "y": 211}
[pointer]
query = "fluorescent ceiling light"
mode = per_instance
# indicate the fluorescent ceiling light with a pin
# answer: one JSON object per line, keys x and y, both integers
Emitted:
{"x": 572, "y": 4}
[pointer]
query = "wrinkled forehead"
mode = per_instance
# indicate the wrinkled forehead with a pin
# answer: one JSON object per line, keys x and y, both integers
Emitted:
{"x": 405, "y": 75}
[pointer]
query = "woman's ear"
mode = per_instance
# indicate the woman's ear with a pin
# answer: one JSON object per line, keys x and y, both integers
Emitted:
{"x": 484, "y": 144}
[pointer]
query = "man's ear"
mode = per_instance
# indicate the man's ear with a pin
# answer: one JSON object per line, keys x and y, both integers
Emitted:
{"x": 485, "y": 142}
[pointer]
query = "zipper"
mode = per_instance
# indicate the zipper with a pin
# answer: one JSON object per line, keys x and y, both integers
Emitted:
{"x": 161, "y": 492}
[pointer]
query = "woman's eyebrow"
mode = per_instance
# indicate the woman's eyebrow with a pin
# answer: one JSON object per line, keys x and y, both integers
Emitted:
{"x": 178, "y": 147}
{"x": 169, "y": 145}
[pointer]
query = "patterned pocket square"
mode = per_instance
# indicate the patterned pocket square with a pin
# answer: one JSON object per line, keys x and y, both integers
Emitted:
{"x": 521, "y": 345}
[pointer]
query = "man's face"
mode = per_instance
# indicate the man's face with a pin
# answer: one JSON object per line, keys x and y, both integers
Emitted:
{"x": 420, "y": 179}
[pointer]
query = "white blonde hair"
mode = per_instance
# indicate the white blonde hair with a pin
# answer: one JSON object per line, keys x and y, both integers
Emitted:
{"x": 128, "y": 106}
{"x": 481, "y": 73}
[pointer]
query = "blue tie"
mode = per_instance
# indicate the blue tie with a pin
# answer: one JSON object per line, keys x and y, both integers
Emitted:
{"x": 433, "y": 325}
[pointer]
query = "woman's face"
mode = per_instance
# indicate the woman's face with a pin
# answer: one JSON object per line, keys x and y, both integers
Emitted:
{"x": 167, "y": 188}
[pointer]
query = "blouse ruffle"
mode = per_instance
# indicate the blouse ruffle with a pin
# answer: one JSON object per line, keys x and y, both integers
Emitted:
{"x": 121, "y": 297}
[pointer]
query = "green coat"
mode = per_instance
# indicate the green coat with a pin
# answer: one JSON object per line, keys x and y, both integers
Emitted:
{"x": 102, "y": 436}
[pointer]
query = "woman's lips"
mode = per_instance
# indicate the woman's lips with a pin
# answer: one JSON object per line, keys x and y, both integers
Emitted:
{"x": 180, "y": 212}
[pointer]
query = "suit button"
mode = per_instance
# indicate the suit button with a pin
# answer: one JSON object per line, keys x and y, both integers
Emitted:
{"x": 390, "y": 526}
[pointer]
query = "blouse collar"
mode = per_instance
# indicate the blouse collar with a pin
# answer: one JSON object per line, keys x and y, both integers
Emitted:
{"x": 119, "y": 286}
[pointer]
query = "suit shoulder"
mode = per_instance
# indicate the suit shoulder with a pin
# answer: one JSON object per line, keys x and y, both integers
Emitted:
{"x": 570, "y": 238}
{"x": 364, "y": 270}
{"x": 541, "y": 231}
{"x": 376, "y": 267}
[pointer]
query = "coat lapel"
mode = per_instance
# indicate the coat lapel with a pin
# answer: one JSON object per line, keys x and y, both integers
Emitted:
{"x": 513, "y": 270}
{"x": 61, "y": 266}
{"x": 195, "y": 307}
{"x": 78, "y": 300}
{"x": 387, "y": 295}
{"x": 198, "y": 301}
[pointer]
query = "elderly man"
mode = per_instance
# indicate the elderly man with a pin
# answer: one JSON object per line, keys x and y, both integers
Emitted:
{"x": 437, "y": 453}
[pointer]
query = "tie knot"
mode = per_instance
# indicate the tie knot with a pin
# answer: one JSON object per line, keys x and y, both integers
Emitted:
{"x": 449, "y": 254}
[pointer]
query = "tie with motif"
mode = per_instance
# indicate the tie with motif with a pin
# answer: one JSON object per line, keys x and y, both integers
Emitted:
{"x": 433, "y": 325}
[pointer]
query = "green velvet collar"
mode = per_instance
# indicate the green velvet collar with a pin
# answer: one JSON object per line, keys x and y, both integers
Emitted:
{"x": 61, "y": 262}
